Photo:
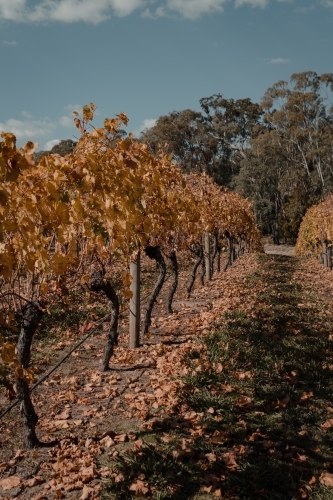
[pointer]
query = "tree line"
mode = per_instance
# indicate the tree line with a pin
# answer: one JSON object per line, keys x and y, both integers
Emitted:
{"x": 278, "y": 153}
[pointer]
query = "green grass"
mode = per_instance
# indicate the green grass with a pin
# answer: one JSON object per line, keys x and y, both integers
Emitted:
{"x": 157, "y": 465}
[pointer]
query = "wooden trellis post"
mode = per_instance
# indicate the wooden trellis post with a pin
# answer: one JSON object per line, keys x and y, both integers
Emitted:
{"x": 134, "y": 320}
{"x": 208, "y": 257}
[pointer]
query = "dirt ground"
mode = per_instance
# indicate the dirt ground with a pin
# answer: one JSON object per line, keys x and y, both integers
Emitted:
{"x": 288, "y": 250}
{"x": 95, "y": 415}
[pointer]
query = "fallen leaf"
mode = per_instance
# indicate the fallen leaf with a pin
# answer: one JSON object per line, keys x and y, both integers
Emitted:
{"x": 34, "y": 481}
{"x": 63, "y": 416}
{"x": 121, "y": 438}
{"x": 86, "y": 493}
{"x": 61, "y": 424}
{"x": 10, "y": 482}
{"x": 139, "y": 487}
{"x": 107, "y": 441}
{"x": 326, "y": 478}
{"x": 302, "y": 493}
{"x": 211, "y": 457}
{"x": 328, "y": 424}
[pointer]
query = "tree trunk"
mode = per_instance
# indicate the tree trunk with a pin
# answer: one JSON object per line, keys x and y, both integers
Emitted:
{"x": 174, "y": 264}
{"x": 99, "y": 284}
{"x": 156, "y": 254}
{"x": 199, "y": 253}
{"x": 32, "y": 314}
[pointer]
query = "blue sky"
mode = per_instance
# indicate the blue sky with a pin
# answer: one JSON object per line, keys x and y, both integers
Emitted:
{"x": 148, "y": 57}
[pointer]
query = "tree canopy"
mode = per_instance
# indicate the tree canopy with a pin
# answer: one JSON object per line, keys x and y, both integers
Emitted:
{"x": 278, "y": 152}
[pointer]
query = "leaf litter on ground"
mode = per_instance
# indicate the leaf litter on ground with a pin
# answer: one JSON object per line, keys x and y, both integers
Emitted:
{"x": 238, "y": 409}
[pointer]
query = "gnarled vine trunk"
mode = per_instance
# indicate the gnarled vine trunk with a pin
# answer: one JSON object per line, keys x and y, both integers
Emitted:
{"x": 154, "y": 253}
{"x": 31, "y": 315}
{"x": 173, "y": 288}
{"x": 197, "y": 250}
{"x": 98, "y": 284}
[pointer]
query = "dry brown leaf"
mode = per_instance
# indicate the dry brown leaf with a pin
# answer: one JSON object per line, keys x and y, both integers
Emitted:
{"x": 10, "y": 482}
{"x": 121, "y": 438}
{"x": 139, "y": 487}
{"x": 34, "y": 481}
{"x": 244, "y": 401}
{"x": 86, "y": 493}
{"x": 61, "y": 424}
{"x": 302, "y": 493}
{"x": 326, "y": 478}
{"x": 328, "y": 424}
{"x": 211, "y": 457}
{"x": 229, "y": 459}
{"x": 107, "y": 441}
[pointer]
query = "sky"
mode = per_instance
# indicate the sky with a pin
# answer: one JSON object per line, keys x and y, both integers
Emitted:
{"x": 147, "y": 58}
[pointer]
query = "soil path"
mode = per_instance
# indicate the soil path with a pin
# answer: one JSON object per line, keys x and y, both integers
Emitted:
{"x": 287, "y": 250}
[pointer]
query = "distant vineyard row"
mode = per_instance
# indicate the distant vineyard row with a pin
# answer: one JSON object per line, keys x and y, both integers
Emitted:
{"x": 316, "y": 232}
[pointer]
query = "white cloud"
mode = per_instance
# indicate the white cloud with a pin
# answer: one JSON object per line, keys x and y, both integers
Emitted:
{"x": 126, "y": 7}
{"x": 327, "y": 3}
{"x": 279, "y": 60}
{"x": 28, "y": 129}
{"x": 160, "y": 11}
{"x": 146, "y": 124}
{"x": 73, "y": 107}
{"x": 253, "y": 3}
{"x": 67, "y": 11}
{"x": 10, "y": 43}
{"x": 146, "y": 14}
{"x": 67, "y": 121}
{"x": 49, "y": 145}
{"x": 192, "y": 9}
{"x": 96, "y": 11}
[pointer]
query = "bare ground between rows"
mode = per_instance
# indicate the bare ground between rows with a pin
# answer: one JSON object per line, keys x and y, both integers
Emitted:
{"x": 82, "y": 405}
{"x": 287, "y": 250}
